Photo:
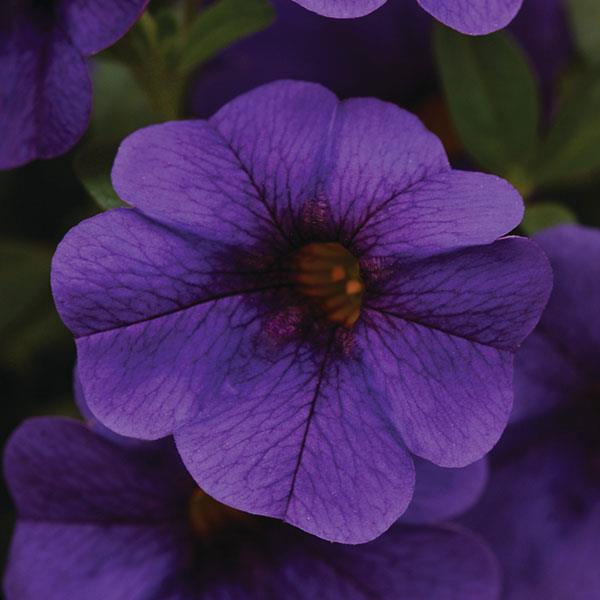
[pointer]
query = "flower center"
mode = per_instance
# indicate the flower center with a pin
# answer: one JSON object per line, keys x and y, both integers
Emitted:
{"x": 327, "y": 274}
{"x": 210, "y": 519}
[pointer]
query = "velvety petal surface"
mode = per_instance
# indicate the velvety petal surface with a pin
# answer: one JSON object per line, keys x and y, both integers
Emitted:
{"x": 440, "y": 338}
{"x": 352, "y": 57}
{"x": 60, "y": 470}
{"x": 45, "y": 96}
{"x": 574, "y": 252}
{"x": 54, "y": 561}
{"x": 94, "y": 25}
{"x": 559, "y": 361}
{"x": 393, "y": 198}
{"x": 342, "y": 9}
{"x": 144, "y": 302}
{"x": 541, "y": 515}
{"x": 475, "y": 17}
{"x": 442, "y": 494}
{"x": 420, "y": 563}
{"x": 302, "y": 437}
{"x": 96, "y": 520}
{"x": 239, "y": 178}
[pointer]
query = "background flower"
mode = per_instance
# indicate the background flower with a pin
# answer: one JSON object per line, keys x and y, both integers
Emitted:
{"x": 102, "y": 521}
{"x": 541, "y": 511}
{"x": 46, "y": 94}
{"x": 187, "y": 320}
{"x": 475, "y": 17}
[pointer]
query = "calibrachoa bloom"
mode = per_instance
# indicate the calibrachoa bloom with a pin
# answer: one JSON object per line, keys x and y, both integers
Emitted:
{"x": 305, "y": 294}
{"x": 101, "y": 521}
{"x": 386, "y": 55}
{"x": 541, "y": 510}
{"x": 363, "y": 57}
{"x": 46, "y": 94}
{"x": 475, "y": 17}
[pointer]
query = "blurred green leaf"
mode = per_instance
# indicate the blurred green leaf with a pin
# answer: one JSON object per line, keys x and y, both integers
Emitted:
{"x": 492, "y": 96}
{"x": 220, "y": 25}
{"x": 585, "y": 19}
{"x": 546, "y": 214}
{"x": 93, "y": 165}
{"x": 120, "y": 107}
{"x": 120, "y": 104}
{"x": 572, "y": 147}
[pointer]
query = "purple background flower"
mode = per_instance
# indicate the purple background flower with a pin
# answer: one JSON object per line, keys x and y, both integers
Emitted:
{"x": 187, "y": 321}
{"x": 541, "y": 511}
{"x": 386, "y": 54}
{"x": 474, "y": 17}
{"x": 102, "y": 521}
{"x": 46, "y": 94}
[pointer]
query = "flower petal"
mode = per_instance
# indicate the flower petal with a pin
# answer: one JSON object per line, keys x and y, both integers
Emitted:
{"x": 574, "y": 252}
{"x": 59, "y": 470}
{"x": 54, "y": 561}
{"x": 342, "y": 9}
{"x": 420, "y": 563}
{"x": 449, "y": 397}
{"x": 445, "y": 211}
{"x": 401, "y": 197}
{"x": 301, "y": 437}
{"x": 541, "y": 515}
{"x": 440, "y": 338}
{"x": 560, "y": 358}
{"x": 96, "y": 24}
{"x": 240, "y": 178}
{"x": 442, "y": 494}
{"x": 45, "y": 96}
{"x": 474, "y": 17}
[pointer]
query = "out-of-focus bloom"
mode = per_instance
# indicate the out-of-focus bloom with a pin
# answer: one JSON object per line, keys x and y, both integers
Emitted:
{"x": 541, "y": 510}
{"x": 474, "y": 17}
{"x": 102, "y": 521}
{"x": 305, "y": 294}
{"x": 45, "y": 90}
{"x": 386, "y": 54}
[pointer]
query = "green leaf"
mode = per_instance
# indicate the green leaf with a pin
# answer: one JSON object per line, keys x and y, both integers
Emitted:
{"x": 545, "y": 214}
{"x": 492, "y": 96}
{"x": 585, "y": 20}
{"x": 120, "y": 107}
{"x": 221, "y": 24}
{"x": 572, "y": 148}
{"x": 93, "y": 165}
{"x": 120, "y": 104}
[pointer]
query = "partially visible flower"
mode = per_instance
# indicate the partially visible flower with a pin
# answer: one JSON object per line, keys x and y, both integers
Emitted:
{"x": 541, "y": 510}
{"x": 474, "y": 17}
{"x": 386, "y": 54}
{"x": 304, "y": 295}
{"x": 101, "y": 521}
{"x": 45, "y": 90}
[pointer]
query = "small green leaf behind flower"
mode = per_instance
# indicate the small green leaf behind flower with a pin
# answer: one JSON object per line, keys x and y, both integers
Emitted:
{"x": 492, "y": 96}
{"x": 542, "y": 215}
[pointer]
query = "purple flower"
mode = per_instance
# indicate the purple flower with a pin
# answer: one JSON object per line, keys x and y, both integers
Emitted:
{"x": 304, "y": 295}
{"x": 46, "y": 94}
{"x": 541, "y": 510}
{"x": 474, "y": 17}
{"x": 102, "y": 521}
{"x": 387, "y": 54}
